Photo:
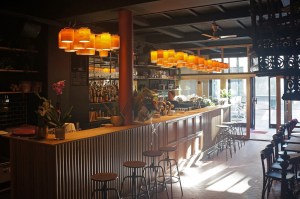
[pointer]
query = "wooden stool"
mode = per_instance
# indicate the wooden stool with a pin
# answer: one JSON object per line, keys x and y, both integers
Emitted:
{"x": 167, "y": 160}
{"x": 155, "y": 168}
{"x": 134, "y": 165}
{"x": 104, "y": 178}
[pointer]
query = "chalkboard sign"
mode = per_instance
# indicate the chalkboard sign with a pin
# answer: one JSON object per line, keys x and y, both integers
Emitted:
{"x": 79, "y": 72}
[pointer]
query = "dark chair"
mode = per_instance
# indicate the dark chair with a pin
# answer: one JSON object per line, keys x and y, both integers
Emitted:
{"x": 104, "y": 178}
{"x": 269, "y": 174}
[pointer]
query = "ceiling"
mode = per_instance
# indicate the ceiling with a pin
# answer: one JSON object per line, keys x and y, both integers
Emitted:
{"x": 157, "y": 23}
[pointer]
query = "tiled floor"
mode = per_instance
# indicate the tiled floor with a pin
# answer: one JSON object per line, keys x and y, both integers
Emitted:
{"x": 239, "y": 177}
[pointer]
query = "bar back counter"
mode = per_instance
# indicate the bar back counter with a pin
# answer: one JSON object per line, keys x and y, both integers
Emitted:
{"x": 61, "y": 169}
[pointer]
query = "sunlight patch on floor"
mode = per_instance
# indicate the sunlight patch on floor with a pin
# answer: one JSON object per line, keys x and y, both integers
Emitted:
{"x": 196, "y": 178}
{"x": 241, "y": 186}
{"x": 226, "y": 183}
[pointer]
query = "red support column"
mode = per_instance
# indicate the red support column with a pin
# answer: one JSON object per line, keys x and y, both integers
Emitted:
{"x": 126, "y": 65}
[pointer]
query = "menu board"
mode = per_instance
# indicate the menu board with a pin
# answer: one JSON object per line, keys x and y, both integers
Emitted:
{"x": 79, "y": 73}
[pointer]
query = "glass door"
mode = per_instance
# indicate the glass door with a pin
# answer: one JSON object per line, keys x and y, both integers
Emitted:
{"x": 261, "y": 103}
{"x": 272, "y": 102}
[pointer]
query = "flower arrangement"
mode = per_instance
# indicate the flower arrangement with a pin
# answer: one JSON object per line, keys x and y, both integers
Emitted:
{"x": 48, "y": 114}
{"x": 145, "y": 104}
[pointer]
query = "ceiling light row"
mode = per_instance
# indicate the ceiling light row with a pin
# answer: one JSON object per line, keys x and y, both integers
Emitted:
{"x": 84, "y": 42}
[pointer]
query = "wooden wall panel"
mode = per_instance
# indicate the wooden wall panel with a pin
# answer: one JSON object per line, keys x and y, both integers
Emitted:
{"x": 182, "y": 131}
{"x": 171, "y": 132}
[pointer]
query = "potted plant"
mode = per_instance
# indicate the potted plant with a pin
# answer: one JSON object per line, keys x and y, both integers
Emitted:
{"x": 145, "y": 104}
{"x": 52, "y": 115}
{"x": 224, "y": 96}
{"x": 116, "y": 116}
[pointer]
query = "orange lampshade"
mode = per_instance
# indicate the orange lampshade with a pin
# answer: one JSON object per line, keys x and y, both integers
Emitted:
{"x": 153, "y": 56}
{"x": 201, "y": 60}
{"x": 91, "y": 44}
{"x": 115, "y": 41}
{"x": 103, "y": 53}
{"x": 61, "y": 45}
{"x": 77, "y": 44}
{"x": 159, "y": 62}
{"x": 67, "y": 35}
{"x": 85, "y": 52}
{"x": 84, "y": 34}
{"x": 160, "y": 54}
{"x": 70, "y": 48}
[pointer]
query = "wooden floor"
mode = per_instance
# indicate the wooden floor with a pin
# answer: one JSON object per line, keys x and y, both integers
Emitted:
{"x": 238, "y": 177}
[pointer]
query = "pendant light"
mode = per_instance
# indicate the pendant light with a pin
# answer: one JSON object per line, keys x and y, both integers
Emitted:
{"x": 76, "y": 43}
{"x": 103, "y": 53}
{"x": 84, "y": 34}
{"x": 91, "y": 43}
{"x": 61, "y": 45}
{"x": 115, "y": 42}
{"x": 67, "y": 35}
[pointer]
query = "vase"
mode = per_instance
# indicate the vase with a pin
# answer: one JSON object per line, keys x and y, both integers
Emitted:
{"x": 42, "y": 132}
{"x": 116, "y": 120}
{"x": 60, "y": 133}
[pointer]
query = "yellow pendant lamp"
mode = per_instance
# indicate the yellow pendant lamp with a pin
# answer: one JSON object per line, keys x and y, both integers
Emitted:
{"x": 105, "y": 41}
{"x": 84, "y": 34}
{"x": 153, "y": 56}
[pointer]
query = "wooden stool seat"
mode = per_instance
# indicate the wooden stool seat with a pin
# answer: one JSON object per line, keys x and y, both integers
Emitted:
{"x": 167, "y": 149}
{"x": 134, "y": 164}
{"x": 152, "y": 153}
{"x": 104, "y": 177}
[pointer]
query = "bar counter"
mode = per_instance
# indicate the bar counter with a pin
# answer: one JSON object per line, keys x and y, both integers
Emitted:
{"x": 61, "y": 169}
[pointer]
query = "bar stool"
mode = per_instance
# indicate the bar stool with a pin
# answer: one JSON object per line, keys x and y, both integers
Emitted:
{"x": 134, "y": 165}
{"x": 240, "y": 130}
{"x": 167, "y": 160}
{"x": 223, "y": 140}
{"x": 233, "y": 131}
{"x": 104, "y": 178}
{"x": 155, "y": 170}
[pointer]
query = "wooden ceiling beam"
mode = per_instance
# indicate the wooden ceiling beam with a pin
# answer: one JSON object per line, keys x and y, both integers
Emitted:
{"x": 196, "y": 37}
{"x": 238, "y": 13}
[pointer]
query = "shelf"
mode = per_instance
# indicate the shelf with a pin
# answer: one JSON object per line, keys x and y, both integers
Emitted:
{"x": 102, "y": 78}
{"x": 18, "y": 50}
{"x": 154, "y": 67}
{"x": 18, "y": 71}
{"x": 154, "y": 79}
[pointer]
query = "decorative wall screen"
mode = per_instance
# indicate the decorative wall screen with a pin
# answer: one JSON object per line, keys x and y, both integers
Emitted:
{"x": 276, "y": 41}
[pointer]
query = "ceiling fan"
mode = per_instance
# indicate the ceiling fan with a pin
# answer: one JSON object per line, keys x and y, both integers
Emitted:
{"x": 215, "y": 33}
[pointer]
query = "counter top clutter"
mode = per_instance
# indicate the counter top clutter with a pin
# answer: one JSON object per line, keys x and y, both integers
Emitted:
{"x": 77, "y": 135}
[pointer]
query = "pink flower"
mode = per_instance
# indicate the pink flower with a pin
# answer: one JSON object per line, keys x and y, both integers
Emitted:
{"x": 58, "y": 87}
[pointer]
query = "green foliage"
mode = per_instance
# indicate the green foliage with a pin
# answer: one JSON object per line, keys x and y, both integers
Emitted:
{"x": 225, "y": 94}
{"x": 50, "y": 115}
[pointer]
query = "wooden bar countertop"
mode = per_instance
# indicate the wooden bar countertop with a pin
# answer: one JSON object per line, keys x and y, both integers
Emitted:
{"x": 88, "y": 133}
